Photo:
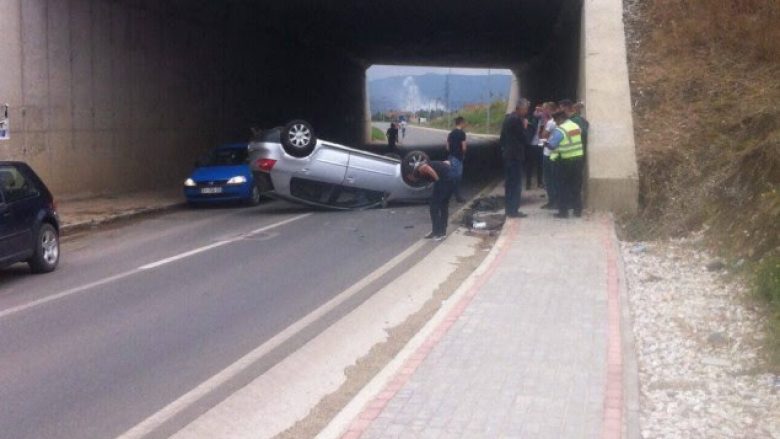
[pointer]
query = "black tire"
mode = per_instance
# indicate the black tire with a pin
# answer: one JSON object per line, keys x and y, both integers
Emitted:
{"x": 254, "y": 199}
{"x": 411, "y": 160}
{"x": 47, "y": 250}
{"x": 298, "y": 139}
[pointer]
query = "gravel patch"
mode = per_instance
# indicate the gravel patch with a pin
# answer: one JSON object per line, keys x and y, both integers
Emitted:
{"x": 698, "y": 338}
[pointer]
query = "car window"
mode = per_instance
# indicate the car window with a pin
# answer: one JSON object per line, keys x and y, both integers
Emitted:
{"x": 223, "y": 157}
{"x": 15, "y": 186}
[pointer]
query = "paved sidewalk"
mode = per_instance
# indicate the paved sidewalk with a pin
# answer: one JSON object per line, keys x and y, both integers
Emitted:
{"x": 77, "y": 213}
{"x": 533, "y": 349}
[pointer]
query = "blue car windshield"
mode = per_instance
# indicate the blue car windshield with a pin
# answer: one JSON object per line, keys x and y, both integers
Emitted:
{"x": 226, "y": 157}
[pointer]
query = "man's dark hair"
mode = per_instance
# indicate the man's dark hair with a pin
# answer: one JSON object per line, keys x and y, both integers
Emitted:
{"x": 459, "y": 120}
{"x": 565, "y": 103}
{"x": 559, "y": 115}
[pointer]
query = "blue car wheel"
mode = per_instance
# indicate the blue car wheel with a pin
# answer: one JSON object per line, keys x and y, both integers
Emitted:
{"x": 254, "y": 198}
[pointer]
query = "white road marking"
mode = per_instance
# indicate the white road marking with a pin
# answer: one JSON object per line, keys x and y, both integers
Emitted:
{"x": 154, "y": 421}
{"x": 220, "y": 243}
{"x": 47, "y": 299}
{"x": 82, "y": 288}
{"x": 184, "y": 255}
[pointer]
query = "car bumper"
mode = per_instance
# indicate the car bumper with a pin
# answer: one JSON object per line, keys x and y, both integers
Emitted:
{"x": 228, "y": 193}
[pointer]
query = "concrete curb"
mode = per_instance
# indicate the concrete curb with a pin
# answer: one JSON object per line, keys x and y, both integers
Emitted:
{"x": 340, "y": 424}
{"x": 69, "y": 229}
{"x": 631, "y": 422}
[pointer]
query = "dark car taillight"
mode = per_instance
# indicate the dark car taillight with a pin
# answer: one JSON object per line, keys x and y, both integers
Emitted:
{"x": 265, "y": 165}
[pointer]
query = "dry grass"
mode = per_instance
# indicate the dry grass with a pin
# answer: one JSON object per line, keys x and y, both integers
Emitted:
{"x": 706, "y": 94}
{"x": 706, "y": 104}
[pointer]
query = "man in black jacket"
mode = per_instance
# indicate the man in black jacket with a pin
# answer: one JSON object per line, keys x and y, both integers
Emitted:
{"x": 516, "y": 134}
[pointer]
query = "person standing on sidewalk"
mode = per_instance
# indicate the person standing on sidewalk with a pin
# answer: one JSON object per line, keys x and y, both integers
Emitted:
{"x": 567, "y": 152}
{"x": 516, "y": 133}
{"x": 533, "y": 151}
{"x": 392, "y": 137}
{"x": 549, "y": 167}
{"x": 440, "y": 173}
{"x": 580, "y": 120}
{"x": 456, "y": 154}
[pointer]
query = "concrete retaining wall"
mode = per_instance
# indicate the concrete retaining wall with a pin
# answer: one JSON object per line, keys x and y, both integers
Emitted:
{"x": 613, "y": 178}
{"x": 107, "y": 96}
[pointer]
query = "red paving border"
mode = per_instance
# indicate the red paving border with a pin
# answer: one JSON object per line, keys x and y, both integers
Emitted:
{"x": 375, "y": 407}
{"x": 612, "y": 427}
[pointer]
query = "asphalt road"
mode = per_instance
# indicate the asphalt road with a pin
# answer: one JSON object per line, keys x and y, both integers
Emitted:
{"x": 139, "y": 315}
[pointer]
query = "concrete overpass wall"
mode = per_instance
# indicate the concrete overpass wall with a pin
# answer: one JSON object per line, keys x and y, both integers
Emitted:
{"x": 108, "y": 96}
{"x": 613, "y": 177}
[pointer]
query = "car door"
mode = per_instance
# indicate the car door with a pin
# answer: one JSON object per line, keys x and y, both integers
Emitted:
{"x": 371, "y": 172}
{"x": 327, "y": 164}
{"x": 22, "y": 199}
{"x": 6, "y": 251}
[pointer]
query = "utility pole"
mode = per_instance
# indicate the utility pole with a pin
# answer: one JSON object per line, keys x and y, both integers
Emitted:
{"x": 447, "y": 97}
{"x": 490, "y": 103}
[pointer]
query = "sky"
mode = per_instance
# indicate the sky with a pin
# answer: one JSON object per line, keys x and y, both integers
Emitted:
{"x": 385, "y": 71}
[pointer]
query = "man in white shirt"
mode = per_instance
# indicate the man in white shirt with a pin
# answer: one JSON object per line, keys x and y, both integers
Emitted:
{"x": 550, "y": 183}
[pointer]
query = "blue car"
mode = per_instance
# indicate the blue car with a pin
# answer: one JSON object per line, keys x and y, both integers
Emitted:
{"x": 223, "y": 175}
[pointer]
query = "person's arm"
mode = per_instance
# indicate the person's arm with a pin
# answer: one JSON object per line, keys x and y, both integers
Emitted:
{"x": 555, "y": 139}
{"x": 429, "y": 171}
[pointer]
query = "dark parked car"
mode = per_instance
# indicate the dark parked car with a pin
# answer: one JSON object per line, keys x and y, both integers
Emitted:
{"x": 29, "y": 225}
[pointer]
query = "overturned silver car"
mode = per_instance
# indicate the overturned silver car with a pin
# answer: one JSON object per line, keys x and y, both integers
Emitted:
{"x": 291, "y": 163}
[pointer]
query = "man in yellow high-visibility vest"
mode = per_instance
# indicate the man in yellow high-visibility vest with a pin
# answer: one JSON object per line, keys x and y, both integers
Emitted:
{"x": 568, "y": 154}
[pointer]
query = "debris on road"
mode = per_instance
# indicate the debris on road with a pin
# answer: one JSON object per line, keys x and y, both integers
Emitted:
{"x": 485, "y": 215}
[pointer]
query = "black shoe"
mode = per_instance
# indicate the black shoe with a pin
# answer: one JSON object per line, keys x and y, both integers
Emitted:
{"x": 548, "y": 206}
{"x": 517, "y": 215}
{"x": 578, "y": 213}
{"x": 430, "y": 235}
{"x": 561, "y": 215}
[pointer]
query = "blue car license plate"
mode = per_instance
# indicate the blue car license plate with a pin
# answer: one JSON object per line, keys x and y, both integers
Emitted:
{"x": 211, "y": 190}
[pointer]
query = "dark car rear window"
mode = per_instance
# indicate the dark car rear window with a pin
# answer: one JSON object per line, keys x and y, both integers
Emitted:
{"x": 15, "y": 185}
{"x": 226, "y": 157}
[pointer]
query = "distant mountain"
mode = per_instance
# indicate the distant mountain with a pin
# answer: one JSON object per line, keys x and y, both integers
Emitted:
{"x": 411, "y": 93}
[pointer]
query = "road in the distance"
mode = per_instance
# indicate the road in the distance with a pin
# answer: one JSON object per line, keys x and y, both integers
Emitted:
{"x": 118, "y": 342}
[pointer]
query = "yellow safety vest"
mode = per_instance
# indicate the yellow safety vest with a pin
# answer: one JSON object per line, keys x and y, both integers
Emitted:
{"x": 571, "y": 145}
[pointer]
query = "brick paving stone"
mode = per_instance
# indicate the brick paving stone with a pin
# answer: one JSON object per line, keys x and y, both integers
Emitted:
{"x": 528, "y": 356}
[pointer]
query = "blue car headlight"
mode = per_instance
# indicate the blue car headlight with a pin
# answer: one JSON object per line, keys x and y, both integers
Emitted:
{"x": 189, "y": 182}
{"x": 239, "y": 179}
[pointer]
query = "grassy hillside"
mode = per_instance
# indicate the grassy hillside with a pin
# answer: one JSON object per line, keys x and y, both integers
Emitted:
{"x": 476, "y": 118}
{"x": 705, "y": 92}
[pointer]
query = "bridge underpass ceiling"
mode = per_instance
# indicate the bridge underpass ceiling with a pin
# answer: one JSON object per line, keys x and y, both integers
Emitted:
{"x": 498, "y": 33}
{"x": 307, "y": 58}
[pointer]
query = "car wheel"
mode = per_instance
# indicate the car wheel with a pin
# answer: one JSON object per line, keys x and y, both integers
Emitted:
{"x": 254, "y": 200}
{"x": 47, "y": 250}
{"x": 409, "y": 163}
{"x": 298, "y": 138}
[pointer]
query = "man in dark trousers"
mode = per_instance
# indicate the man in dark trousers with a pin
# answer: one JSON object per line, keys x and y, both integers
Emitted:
{"x": 440, "y": 174}
{"x": 456, "y": 151}
{"x": 516, "y": 134}
{"x": 392, "y": 137}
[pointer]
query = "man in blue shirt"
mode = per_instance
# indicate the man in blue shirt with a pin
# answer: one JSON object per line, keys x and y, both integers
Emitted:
{"x": 456, "y": 151}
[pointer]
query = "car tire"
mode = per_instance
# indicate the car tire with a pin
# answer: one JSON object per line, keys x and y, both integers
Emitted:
{"x": 298, "y": 139}
{"x": 47, "y": 250}
{"x": 254, "y": 199}
{"x": 409, "y": 163}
